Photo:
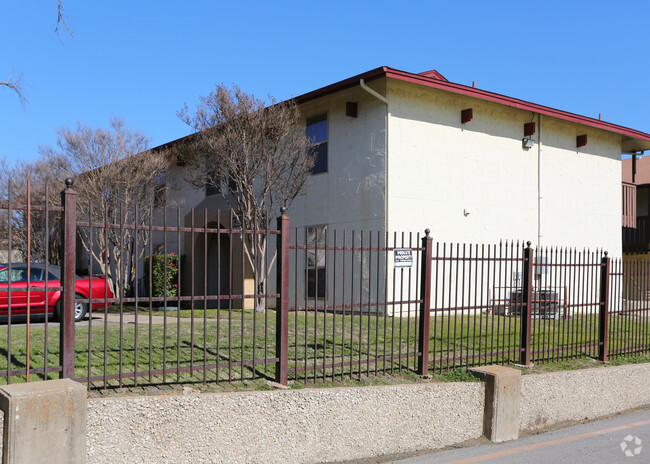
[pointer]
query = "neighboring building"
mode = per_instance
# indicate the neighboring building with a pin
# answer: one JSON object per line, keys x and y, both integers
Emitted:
{"x": 636, "y": 208}
{"x": 636, "y": 228}
{"x": 399, "y": 151}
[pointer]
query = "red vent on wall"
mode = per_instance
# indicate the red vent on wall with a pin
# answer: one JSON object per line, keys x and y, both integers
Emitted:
{"x": 351, "y": 109}
{"x": 581, "y": 140}
{"x": 466, "y": 115}
{"x": 529, "y": 129}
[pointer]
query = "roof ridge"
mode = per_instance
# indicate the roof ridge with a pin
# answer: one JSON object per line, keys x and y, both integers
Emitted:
{"x": 434, "y": 75}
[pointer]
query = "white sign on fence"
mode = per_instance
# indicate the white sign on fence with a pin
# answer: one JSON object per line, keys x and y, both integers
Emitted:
{"x": 403, "y": 257}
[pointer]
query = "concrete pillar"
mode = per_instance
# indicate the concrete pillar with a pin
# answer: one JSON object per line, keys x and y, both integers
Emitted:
{"x": 502, "y": 396}
{"x": 44, "y": 422}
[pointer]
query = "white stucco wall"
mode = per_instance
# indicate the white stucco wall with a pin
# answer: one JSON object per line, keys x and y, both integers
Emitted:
{"x": 351, "y": 194}
{"x": 349, "y": 197}
{"x": 440, "y": 169}
{"x": 471, "y": 183}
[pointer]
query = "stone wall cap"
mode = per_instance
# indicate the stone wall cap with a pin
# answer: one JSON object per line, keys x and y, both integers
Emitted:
{"x": 494, "y": 370}
{"x": 41, "y": 387}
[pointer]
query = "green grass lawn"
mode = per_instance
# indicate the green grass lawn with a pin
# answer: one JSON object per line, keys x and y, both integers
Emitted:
{"x": 233, "y": 346}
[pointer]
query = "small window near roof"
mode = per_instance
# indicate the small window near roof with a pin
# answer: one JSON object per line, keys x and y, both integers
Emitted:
{"x": 317, "y": 135}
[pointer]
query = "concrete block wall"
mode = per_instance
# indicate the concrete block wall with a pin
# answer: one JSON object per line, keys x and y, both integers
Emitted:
{"x": 333, "y": 424}
{"x": 584, "y": 394}
{"x": 300, "y": 426}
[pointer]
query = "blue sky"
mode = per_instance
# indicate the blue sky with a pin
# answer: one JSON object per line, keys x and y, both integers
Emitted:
{"x": 142, "y": 60}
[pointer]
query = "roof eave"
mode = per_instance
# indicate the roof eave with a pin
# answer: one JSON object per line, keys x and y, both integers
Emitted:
{"x": 632, "y": 141}
{"x": 342, "y": 85}
{"x": 632, "y": 145}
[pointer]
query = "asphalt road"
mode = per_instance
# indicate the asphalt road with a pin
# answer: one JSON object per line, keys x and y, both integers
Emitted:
{"x": 620, "y": 439}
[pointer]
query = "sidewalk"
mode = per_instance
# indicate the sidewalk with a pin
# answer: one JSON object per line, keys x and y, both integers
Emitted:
{"x": 157, "y": 317}
{"x": 612, "y": 440}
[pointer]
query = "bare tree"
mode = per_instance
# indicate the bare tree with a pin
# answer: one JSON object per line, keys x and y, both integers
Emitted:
{"x": 116, "y": 184}
{"x": 42, "y": 237}
{"x": 255, "y": 156}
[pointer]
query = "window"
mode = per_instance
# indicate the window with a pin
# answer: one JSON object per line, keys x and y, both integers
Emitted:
{"x": 160, "y": 190}
{"x": 36, "y": 275}
{"x": 17, "y": 275}
{"x": 316, "y": 271}
{"x": 211, "y": 189}
{"x": 317, "y": 135}
{"x": 232, "y": 183}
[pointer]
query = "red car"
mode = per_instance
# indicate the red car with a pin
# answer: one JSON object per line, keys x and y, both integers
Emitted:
{"x": 37, "y": 298}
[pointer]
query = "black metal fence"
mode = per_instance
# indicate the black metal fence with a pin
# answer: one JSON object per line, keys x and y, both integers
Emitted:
{"x": 198, "y": 298}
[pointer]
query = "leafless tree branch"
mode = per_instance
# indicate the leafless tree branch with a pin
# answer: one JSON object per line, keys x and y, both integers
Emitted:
{"x": 16, "y": 85}
{"x": 61, "y": 20}
{"x": 256, "y": 157}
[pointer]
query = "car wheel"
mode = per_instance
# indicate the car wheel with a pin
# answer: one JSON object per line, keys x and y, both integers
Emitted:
{"x": 57, "y": 311}
{"x": 80, "y": 309}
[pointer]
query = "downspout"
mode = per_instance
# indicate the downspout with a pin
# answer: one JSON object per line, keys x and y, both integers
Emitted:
{"x": 539, "y": 182}
{"x": 380, "y": 97}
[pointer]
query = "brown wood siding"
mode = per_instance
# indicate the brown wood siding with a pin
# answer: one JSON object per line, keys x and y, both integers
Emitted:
{"x": 629, "y": 205}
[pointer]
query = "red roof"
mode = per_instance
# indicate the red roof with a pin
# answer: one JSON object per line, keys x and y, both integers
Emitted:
{"x": 633, "y": 140}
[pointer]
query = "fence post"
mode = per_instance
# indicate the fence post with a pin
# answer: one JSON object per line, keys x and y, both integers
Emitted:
{"x": 603, "y": 329}
{"x": 425, "y": 305}
{"x": 68, "y": 263}
{"x": 526, "y": 307}
{"x": 282, "y": 306}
